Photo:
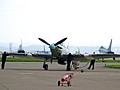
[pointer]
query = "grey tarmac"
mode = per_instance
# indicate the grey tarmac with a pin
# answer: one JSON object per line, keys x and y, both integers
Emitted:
{"x": 31, "y": 76}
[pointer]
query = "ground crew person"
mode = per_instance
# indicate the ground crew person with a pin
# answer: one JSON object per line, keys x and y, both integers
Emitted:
{"x": 4, "y": 56}
{"x": 92, "y": 63}
{"x": 69, "y": 60}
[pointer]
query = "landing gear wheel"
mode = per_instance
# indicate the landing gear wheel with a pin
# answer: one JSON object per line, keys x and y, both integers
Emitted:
{"x": 68, "y": 83}
{"x": 45, "y": 66}
{"x": 58, "y": 83}
{"x": 82, "y": 71}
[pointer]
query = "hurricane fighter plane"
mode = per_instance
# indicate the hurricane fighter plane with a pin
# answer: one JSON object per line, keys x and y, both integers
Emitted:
{"x": 60, "y": 53}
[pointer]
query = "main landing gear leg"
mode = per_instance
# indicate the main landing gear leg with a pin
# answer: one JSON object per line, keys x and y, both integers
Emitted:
{"x": 45, "y": 66}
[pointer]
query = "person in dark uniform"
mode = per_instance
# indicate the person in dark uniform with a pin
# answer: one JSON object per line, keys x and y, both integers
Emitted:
{"x": 69, "y": 60}
{"x": 4, "y": 56}
{"x": 92, "y": 63}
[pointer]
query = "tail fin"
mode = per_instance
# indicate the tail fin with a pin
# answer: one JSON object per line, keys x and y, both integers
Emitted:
{"x": 109, "y": 48}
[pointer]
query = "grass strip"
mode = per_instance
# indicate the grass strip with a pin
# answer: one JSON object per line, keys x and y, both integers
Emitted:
{"x": 113, "y": 66}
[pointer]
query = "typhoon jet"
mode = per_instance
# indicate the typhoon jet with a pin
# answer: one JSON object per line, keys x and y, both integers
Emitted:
{"x": 60, "y": 53}
{"x": 19, "y": 53}
{"x": 104, "y": 50}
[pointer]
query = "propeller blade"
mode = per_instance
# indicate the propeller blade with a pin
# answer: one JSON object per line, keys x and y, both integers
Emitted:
{"x": 61, "y": 41}
{"x": 43, "y": 41}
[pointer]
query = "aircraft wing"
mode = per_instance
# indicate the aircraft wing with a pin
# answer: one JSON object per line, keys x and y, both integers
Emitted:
{"x": 95, "y": 56}
{"x": 102, "y": 56}
{"x": 44, "y": 56}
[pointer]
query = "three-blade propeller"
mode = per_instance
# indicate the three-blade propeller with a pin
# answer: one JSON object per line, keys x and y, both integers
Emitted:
{"x": 52, "y": 45}
{"x": 59, "y": 42}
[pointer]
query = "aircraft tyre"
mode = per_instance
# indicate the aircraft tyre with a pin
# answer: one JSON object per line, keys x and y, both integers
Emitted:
{"x": 68, "y": 83}
{"x": 82, "y": 71}
{"x": 58, "y": 83}
{"x": 45, "y": 66}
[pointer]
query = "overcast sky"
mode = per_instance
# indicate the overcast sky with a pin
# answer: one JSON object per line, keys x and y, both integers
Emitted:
{"x": 84, "y": 22}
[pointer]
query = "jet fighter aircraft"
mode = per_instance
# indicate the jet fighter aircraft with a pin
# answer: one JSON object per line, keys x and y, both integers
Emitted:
{"x": 104, "y": 50}
{"x": 60, "y": 53}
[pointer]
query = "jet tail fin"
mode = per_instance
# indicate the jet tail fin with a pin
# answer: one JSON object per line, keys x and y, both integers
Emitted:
{"x": 109, "y": 48}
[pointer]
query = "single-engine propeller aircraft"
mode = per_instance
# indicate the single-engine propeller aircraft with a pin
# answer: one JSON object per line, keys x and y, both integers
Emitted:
{"x": 60, "y": 53}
